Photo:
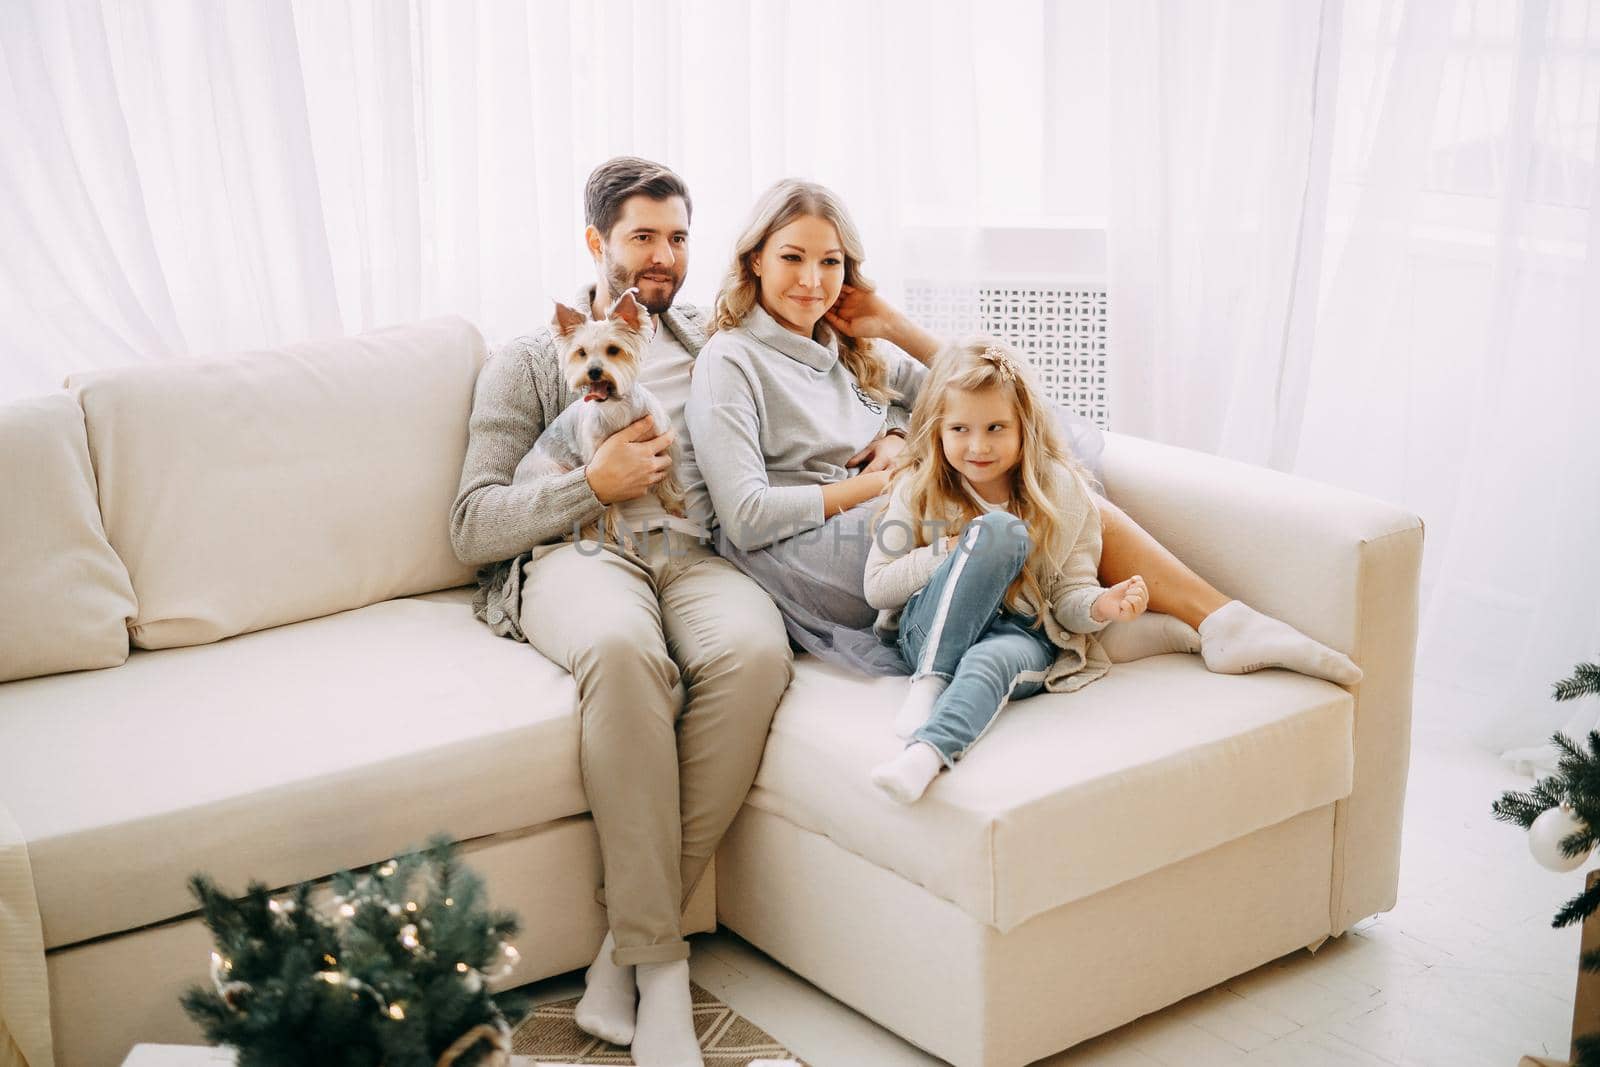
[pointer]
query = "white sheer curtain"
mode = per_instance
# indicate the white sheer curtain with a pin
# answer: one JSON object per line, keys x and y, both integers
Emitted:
{"x": 1437, "y": 343}
{"x": 1220, "y": 136}
{"x": 1355, "y": 239}
{"x": 181, "y": 177}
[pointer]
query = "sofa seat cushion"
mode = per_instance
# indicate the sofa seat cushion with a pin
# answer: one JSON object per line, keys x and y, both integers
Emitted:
{"x": 281, "y": 755}
{"x": 1067, "y": 794}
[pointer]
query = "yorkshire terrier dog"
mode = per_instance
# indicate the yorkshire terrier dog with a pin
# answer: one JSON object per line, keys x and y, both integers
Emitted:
{"x": 601, "y": 360}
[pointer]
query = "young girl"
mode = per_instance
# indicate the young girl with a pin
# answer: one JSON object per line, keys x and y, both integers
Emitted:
{"x": 983, "y": 567}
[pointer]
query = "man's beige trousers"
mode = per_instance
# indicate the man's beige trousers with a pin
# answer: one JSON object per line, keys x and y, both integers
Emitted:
{"x": 680, "y": 661}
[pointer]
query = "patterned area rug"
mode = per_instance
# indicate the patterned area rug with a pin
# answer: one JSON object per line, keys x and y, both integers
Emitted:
{"x": 727, "y": 1039}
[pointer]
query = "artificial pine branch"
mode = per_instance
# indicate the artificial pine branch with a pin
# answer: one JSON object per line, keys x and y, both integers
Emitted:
{"x": 1570, "y": 752}
{"x": 1578, "y": 844}
{"x": 1523, "y": 808}
{"x": 1585, "y": 680}
{"x": 393, "y": 981}
{"x": 1579, "y": 907}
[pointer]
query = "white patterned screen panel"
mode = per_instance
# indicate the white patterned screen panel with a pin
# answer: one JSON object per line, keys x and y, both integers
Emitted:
{"x": 1061, "y": 329}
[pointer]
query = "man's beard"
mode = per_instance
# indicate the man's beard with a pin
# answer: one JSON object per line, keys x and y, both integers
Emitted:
{"x": 619, "y": 281}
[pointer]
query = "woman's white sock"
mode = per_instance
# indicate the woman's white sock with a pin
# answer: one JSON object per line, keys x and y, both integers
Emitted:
{"x": 906, "y": 777}
{"x": 1237, "y": 639}
{"x": 607, "y": 1008}
{"x": 1151, "y": 634}
{"x": 918, "y": 705}
{"x": 664, "y": 1035}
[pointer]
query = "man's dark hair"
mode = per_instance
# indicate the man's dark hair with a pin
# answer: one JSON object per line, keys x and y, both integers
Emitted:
{"x": 614, "y": 181}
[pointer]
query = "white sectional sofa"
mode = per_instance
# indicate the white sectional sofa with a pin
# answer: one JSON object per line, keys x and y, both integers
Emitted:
{"x": 307, "y": 690}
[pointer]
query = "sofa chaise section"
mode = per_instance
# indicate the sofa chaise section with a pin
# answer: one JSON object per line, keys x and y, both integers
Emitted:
{"x": 1102, "y": 854}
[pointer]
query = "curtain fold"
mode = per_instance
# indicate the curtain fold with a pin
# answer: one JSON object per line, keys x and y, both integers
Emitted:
{"x": 216, "y": 115}
{"x": 1220, "y": 133}
{"x": 80, "y": 269}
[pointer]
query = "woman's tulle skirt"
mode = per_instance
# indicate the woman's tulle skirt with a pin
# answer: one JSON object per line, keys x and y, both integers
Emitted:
{"x": 816, "y": 577}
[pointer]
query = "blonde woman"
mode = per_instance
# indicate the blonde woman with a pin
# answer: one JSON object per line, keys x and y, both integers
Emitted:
{"x": 795, "y": 423}
{"x": 985, "y": 566}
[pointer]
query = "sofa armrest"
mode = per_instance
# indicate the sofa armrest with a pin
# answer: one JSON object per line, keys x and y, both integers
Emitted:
{"x": 1341, "y": 567}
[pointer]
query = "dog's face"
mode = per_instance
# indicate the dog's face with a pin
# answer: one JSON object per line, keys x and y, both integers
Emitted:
{"x": 601, "y": 357}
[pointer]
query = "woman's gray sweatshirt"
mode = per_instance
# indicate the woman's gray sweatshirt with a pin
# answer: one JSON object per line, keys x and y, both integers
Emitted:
{"x": 774, "y": 417}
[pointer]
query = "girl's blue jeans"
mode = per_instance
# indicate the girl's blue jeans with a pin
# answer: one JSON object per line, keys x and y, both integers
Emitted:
{"x": 956, "y": 627}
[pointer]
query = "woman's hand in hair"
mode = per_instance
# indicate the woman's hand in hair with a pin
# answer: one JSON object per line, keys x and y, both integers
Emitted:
{"x": 862, "y": 313}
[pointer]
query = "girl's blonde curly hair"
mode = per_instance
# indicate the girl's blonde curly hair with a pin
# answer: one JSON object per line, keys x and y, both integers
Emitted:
{"x": 1045, "y": 467}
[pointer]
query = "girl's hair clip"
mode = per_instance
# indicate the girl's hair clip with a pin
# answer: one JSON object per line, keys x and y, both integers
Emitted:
{"x": 1002, "y": 361}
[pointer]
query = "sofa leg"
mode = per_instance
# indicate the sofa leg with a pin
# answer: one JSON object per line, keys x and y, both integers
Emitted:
{"x": 1318, "y": 943}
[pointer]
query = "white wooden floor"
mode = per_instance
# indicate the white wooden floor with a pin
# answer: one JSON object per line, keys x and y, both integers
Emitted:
{"x": 1465, "y": 971}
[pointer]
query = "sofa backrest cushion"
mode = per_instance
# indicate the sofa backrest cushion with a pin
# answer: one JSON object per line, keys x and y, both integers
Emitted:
{"x": 263, "y": 488}
{"x": 65, "y": 598}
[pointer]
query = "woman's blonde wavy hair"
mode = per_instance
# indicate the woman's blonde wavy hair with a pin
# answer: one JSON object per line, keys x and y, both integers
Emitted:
{"x": 1041, "y": 479}
{"x": 780, "y": 205}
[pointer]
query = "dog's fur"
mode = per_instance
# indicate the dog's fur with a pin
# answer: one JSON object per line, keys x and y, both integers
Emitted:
{"x": 601, "y": 360}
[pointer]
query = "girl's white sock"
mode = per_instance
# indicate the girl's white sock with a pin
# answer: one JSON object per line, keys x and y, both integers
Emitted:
{"x": 1237, "y": 639}
{"x": 906, "y": 777}
{"x": 918, "y": 705}
{"x": 1151, "y": 634}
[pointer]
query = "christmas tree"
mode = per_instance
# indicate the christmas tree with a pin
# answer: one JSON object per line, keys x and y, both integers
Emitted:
{"x": 1560, "y": 813}
{"x": 394, "y": 976}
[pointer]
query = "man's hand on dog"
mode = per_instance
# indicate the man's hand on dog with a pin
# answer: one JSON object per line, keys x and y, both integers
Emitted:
{"x": 629, "y": 462}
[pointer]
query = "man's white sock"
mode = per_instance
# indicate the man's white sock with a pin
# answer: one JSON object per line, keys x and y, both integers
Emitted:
{"x": 1151, "y": 634}
{"x": 1237, "y": 639}
{"x": 918, "y": 705}
{"x": 664, "y": 1036}
{"x": 906, "y": 777}
{"x": 607, "y": 1008}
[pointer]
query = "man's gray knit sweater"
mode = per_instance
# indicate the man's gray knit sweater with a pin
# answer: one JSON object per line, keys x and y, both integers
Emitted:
{"x": 496, "y": 525}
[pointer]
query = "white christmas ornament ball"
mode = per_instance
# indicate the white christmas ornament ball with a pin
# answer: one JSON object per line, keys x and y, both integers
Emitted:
{"x": 1546, "y": 834}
